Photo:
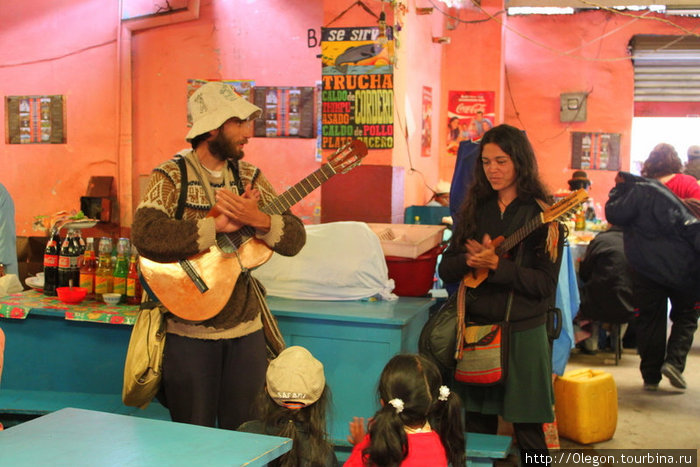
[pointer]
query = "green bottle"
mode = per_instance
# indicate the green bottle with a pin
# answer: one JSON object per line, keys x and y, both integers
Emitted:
{"x": 121, "y": 268}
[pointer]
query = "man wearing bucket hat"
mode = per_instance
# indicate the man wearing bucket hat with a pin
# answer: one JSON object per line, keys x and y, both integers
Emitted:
{"x": 212, "y": 369}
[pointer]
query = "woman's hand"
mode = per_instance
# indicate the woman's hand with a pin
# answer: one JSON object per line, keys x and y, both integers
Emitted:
{"x": 481, "y": 255}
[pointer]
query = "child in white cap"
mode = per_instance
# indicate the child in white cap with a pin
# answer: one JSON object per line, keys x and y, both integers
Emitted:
{"x": 293, "y": 405}
{"x": 419, "y": 423}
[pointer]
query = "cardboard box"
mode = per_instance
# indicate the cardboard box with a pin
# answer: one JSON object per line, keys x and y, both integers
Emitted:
{"x": 407, "y": 240}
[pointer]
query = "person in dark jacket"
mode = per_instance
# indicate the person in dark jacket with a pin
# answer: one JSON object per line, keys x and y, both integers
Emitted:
{"x": 662, "y": 245}
{"x": 503, "y": 198}
{"x": 606, "y": 282}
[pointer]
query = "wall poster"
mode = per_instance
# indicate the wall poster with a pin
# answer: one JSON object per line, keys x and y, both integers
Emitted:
{"x": 35, "y": 120}
{"x": 287, "y": 111}
{"x": 426, "y": 130}
{"x": 357, "y": 97}
{"x": 469, "y": 115}
{"x": 595, "y": 151}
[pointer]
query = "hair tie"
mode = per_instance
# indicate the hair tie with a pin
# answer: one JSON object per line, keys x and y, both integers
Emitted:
{"x": 444, "y": 393}
{"x": 397, "y": 404}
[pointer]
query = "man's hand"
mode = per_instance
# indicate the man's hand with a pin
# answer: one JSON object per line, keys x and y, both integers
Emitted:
{"x": 481, "y": 255}
{"x": 240, "y": 210}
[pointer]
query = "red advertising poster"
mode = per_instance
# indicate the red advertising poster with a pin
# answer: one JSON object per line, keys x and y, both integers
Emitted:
{"x": 426, "y": 130}
{"x": 469, "y": 115}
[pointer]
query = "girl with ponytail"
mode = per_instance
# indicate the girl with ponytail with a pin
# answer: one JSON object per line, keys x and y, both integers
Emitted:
{"x": 419, "y": 422}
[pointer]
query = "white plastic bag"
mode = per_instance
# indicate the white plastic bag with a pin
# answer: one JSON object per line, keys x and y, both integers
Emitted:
{"x": 340, "y": 261}
{"x": 9, "y": 283}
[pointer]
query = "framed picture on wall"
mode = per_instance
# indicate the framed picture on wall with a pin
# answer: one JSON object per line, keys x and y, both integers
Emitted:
{"x": 35, "y": 120}
{"x": 591, "y": 150}
{"x": 287, "y": 111}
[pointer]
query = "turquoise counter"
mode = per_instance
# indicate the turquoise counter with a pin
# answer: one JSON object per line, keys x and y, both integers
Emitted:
{"x": 62, "y": 351}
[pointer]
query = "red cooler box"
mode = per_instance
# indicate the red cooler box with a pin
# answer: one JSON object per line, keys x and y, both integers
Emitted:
{"x": 413, "y": 277}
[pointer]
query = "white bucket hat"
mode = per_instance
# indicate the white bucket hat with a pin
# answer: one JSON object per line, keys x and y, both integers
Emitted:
{"x": 214, "y": 103}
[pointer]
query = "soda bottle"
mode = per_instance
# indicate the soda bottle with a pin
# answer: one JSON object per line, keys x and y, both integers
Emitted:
{"x": 580, "y": 223}
{"x": 68, "y": 272}
{"x": 87, "y": 269}
{"x": 121, "y": 268}
{"x": 51, "y": 263}
{"x": 133, "y": 284}
{"x": 103, "y": 273}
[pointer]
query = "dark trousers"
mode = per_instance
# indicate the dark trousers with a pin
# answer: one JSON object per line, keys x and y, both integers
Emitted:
{"x": 213, "y": 382}
{"x": 651, "y": 299}
{"x": 530, "y": 436}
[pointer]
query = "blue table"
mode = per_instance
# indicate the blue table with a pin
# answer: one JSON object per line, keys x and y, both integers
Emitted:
{"x": 567, "y": 301}
{"x": 81, "y": 363}
{"x": 77, "y": 437}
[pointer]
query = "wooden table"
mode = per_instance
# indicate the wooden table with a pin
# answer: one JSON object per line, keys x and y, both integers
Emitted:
{"x": 77, "y": 437}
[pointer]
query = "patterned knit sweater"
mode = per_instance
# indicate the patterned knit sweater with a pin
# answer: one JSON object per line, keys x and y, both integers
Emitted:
{"x": 159, "y": 236}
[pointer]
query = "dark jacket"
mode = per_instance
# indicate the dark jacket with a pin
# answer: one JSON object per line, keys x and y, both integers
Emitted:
{"x": 534, "y": 280}
{"x": 606, "y": 289}
{"x": 661, "y": 235}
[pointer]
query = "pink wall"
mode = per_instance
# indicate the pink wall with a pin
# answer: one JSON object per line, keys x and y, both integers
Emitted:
{"x": 538, "y": 74}
{"x": 66, "y": 48}
{"x": 75, "y": 48}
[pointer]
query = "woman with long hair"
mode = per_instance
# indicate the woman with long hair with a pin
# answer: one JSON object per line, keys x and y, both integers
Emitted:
{"x": 293, "y": 405}
{"x": 505, "y": 194}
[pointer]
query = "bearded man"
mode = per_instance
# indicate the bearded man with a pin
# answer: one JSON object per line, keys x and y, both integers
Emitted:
{"x": 213, "y": 368}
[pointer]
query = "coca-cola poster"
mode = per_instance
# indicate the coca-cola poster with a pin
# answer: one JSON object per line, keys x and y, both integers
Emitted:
{"x": 469, "y": 115}
{"x": 426, "y": 125}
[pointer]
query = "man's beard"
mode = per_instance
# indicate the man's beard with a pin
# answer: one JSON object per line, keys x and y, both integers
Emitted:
{"x": 224, "y": 149}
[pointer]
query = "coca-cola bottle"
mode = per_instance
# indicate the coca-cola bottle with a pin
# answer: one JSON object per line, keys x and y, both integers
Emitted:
{"x": 51, "y": 263}
{"x": 68, "y": 272}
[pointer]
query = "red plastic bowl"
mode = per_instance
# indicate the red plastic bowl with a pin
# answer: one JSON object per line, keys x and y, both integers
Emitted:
{"x": 71, "y": 295}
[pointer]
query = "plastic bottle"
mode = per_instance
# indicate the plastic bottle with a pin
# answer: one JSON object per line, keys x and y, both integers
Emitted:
{"x": 103, "y": 273}
{"x": 133, "y": 284}
{"x": 51, "y": 264}
{"x": 68, "y": 272}
{"x": 87, "y": 269}
{"x": 580, "y": 223}
{"x": 121, "y": 268}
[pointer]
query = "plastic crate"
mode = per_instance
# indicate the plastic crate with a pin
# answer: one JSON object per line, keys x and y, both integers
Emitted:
{"x": 413, "y": 277}
{"x": 407, "y": 240}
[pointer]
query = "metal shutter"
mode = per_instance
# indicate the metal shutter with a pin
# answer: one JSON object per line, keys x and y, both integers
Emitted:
{"x": 666, "y": 68}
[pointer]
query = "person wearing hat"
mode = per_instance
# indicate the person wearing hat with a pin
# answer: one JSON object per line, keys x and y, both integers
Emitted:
{"x": 212, "y": 369}
{"x": 293, "y": 405}
{"x": 579, "y": 179}
{"x": 441, "y": 194}
{"x": 692, "y": 167}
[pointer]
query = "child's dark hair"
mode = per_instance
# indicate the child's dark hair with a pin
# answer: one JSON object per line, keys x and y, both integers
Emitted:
{"x": 317, "y": 448}
{"x": 417, "y": 383}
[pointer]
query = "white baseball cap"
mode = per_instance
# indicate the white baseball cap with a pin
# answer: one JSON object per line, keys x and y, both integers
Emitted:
{"x": 214, "y": 103}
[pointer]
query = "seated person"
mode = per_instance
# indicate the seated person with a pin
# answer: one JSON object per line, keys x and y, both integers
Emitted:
{"x": 293, "y": 405}
{"x": 606, "y": 289}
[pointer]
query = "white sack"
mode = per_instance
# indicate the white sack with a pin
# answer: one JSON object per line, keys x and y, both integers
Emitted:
{"x": 340, "y": 261}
